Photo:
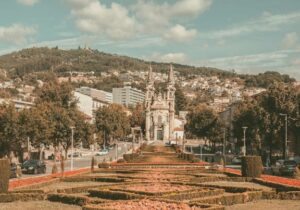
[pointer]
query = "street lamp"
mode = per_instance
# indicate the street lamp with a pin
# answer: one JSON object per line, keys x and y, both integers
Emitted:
{"x": 286, "y": 135}
{"x": 244, "y": 129}
{"x": 72, "y": 146}
{"x": 224, "y": 146}
{"x": 201, "y": 154}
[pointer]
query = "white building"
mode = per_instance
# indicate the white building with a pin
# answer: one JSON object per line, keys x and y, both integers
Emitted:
{"x": 100, "y": 95}
{"x": 88, "y": 105}
{"x": 128, "y": 96}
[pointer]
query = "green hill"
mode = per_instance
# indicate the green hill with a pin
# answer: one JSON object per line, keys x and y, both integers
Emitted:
{"x": 59, "y": 61}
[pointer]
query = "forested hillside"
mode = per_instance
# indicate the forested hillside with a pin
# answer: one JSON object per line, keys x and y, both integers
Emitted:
{"x": 44, "y": 59}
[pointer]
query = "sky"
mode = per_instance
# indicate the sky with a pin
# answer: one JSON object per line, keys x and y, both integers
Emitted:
{"x": 249, "y": 36}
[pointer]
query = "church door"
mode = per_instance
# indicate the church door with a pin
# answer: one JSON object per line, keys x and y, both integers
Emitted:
{"x": 160, "y": 135}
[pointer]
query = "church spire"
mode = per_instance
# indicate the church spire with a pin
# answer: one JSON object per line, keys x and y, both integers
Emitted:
{"x": 171, "y": 76}
{"x": 150, "y": 76}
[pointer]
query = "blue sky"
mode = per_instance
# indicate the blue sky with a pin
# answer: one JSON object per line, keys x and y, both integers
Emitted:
{"x": 249, "y": 36}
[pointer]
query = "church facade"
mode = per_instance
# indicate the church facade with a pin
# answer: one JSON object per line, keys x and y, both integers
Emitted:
{"x": 160, "y": 109}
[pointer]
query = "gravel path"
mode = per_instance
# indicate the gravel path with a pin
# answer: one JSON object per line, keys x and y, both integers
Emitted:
{"x": 239, "y": 184}
{"x": 267, "y": 204}
{"x": 37, "y": 205}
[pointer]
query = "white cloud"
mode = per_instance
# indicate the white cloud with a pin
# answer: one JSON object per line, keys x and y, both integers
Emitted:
{"x": 255, "y": 63}
{"x": 156, "y": 16}
{"x": 16, "y": 34}
{"x": 28, "y": 2}
{"x": 180, "y": 33}
{"x": 290, "y": 40}
{"x": 142, "y": 17}
{"x": 190, "y": 7}
{"x": 169, "y": 57}
{"x": 267, "y": 22}
{"x": 95, "y": 18}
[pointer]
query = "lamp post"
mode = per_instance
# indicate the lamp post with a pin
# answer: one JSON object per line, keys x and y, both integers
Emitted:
{"x": 244, "y": 129}
{"x": 116, "y": 148}
{"x": 201, "y": 152}
{"x": 224, "y": 147}
{"x": 286, "y": 151}
{"x": 72, "y": 146}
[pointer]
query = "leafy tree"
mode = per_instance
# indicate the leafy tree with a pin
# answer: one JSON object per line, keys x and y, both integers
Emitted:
{"x": 180, "y": 100}
{"x": 138, "y": 117}
{"x": 252, "y": 116}
{"x": 8, "y": 130}
{"x": 262, "y": 117}
{"x": 60, "y": 94}
{"x": 112, "y": 121}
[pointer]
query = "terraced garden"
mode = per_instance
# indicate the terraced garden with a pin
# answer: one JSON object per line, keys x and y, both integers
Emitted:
{"x": 158, "y": 179}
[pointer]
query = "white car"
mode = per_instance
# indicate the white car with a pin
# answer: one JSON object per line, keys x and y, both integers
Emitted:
{"x": 276, "y": 167}
{"x": 102, "y": 152}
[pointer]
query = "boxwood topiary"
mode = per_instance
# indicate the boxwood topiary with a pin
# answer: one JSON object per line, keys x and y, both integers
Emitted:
{"x": 4, "y": 175}
{"x": 252, "y": 166}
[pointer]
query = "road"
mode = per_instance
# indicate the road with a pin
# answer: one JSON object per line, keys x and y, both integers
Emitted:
{"x": 85, "y": 161}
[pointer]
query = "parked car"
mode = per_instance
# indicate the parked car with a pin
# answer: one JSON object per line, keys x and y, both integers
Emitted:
{"x": 75, "y": 154}
{"x": 276, "y": 167}
{"x": 110, "y": 147}
{"x": 34, "y": 167}
{"x": 236, "y": 160}
{"x": 102, "y": 152}
{"x": 288, "y": 167}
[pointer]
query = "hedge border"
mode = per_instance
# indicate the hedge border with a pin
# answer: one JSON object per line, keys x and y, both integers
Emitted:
{"x": 11, "y": 197}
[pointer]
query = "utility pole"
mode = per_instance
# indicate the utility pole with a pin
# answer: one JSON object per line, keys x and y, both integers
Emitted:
{"x": 244, "y": 129}
{"x": 286, "y": 149}
{"x": 224, "y": 147}
{"x": 72, "y": 147}
{"x": 116, "y": 148}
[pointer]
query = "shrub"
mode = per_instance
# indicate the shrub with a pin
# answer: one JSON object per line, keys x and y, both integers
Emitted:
{"x": 103, "y": 165}
{"x": 121, "y": 161}
{"x": 130, "y": 157}
{"x": 4, "y": 175}
{"x": 93, "y": 164}
{"x": 252, "y": 166}
{"x": 62, "y": 166}
{"x": 69, "y": 199}
{"x": 54, "y": 168}
{"x": 297, "y": 173}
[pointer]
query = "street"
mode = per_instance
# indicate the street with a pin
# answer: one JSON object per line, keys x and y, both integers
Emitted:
{"x": 85, "y": 161}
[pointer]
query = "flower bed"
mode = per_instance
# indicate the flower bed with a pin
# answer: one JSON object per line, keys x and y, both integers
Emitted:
{"x": 43, "y": 179}
{"x": 92, "y": 179}
{"x": 144, "y": 204}
{"x": 156, "y": 188}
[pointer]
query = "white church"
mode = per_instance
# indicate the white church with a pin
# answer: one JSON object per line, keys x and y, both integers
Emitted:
{"x": 161, "y": 122}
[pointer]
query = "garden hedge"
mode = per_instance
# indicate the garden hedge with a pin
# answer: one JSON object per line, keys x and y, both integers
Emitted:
{"x": 252, "y": 166}
{"x": 114, "y": 195}
{"x": 4, "y": 175}
{"x": 78, "y": 200}
{"x": 11, "y": 197}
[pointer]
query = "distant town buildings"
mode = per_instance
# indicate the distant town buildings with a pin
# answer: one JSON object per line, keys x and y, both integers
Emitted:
{"x": 128, "y": 96}
{"x": 19, "y": 104}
